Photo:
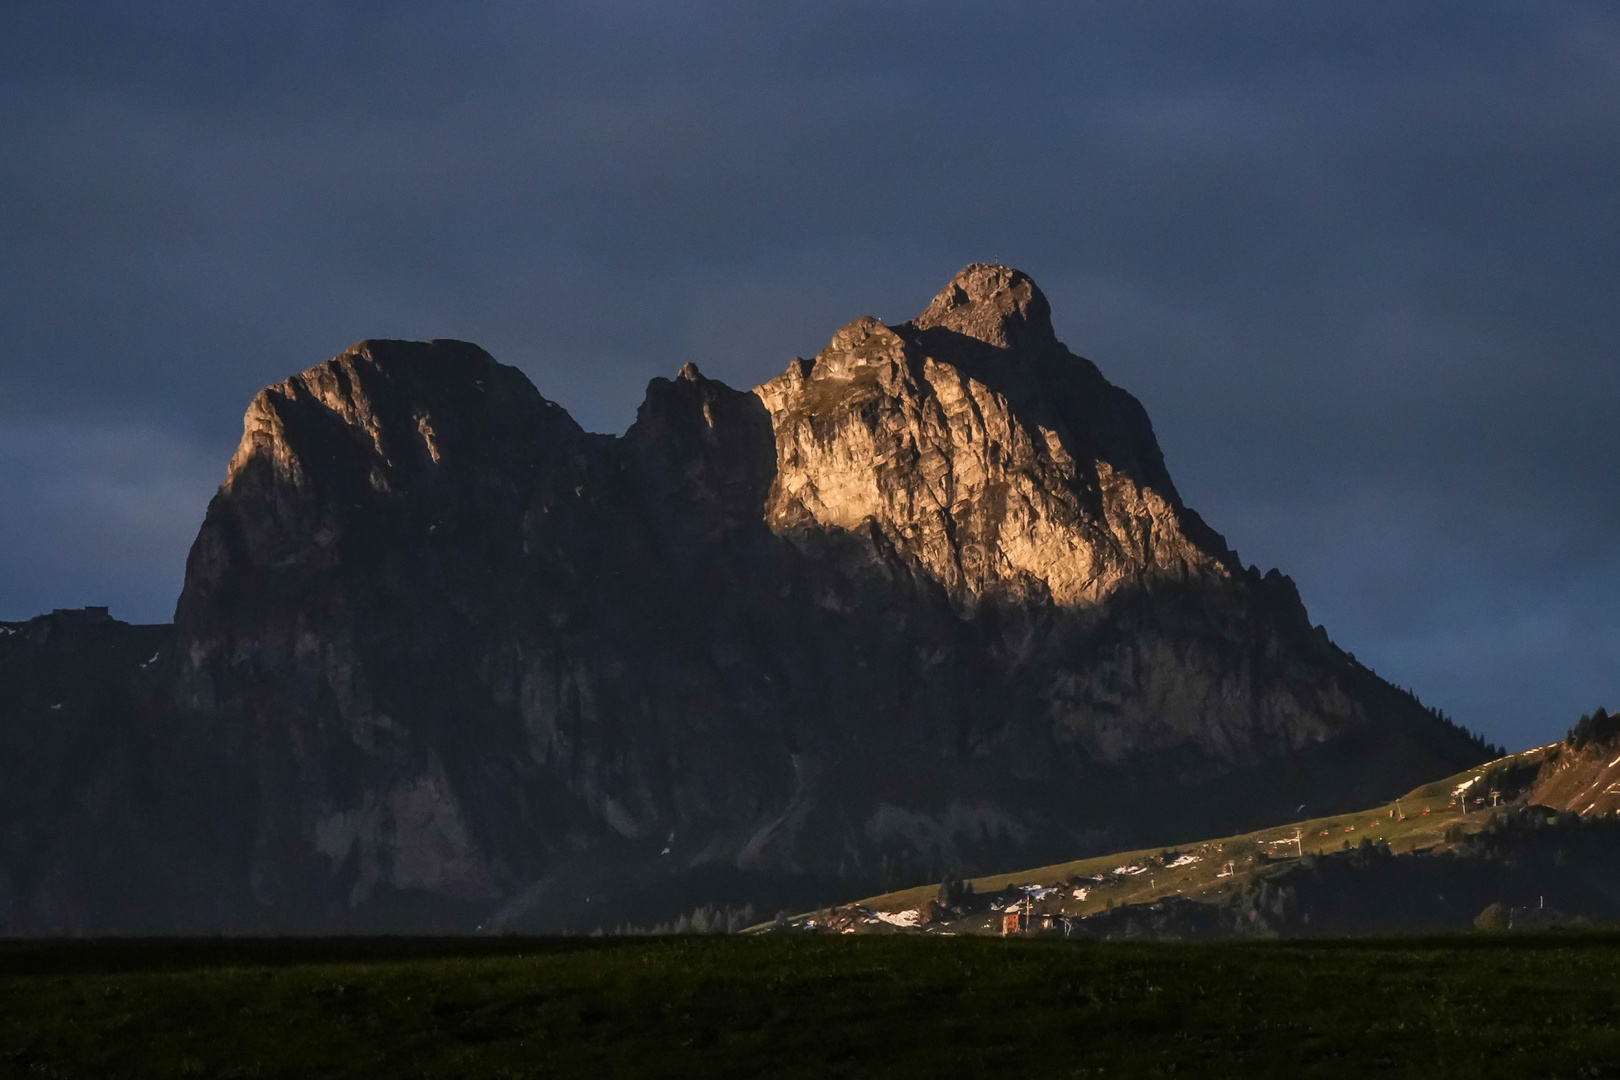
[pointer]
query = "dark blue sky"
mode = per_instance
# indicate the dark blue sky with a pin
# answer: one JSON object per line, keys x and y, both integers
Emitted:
{"x": 1360, "y": 261}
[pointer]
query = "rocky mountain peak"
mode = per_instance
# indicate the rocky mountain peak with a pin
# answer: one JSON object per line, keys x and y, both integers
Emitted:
{"x": 993, "y": 304}
{"x": 991, "y": 459}
{"x": 414, "y": 405}
{"x": 857, "y": 334}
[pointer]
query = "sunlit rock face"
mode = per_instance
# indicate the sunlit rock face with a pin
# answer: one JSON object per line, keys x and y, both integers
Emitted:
{"x": 1002, "y": 465}
{"x": 924, "y": 602}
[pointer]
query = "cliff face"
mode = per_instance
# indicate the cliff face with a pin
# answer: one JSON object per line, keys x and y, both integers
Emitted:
{"x": 972, "y": 449}
{"x": 924, "y": 602}
{"x": 450, "y": 642}
{"x": 1002, "y": 465}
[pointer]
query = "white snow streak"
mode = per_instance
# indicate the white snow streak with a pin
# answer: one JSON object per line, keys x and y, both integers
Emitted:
{"x": 899, "y": 918}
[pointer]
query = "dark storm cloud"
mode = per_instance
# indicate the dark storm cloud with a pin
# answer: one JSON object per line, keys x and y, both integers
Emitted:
{"x": 1359, "y": 261}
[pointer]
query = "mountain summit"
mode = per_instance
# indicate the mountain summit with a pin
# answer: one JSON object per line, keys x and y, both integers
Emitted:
{"x": 995, "y": 305}
{"x": 926, "y": 602}
{"x": 986, "y": 453}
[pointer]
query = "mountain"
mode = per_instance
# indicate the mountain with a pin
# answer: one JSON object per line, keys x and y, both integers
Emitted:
{"x": 925, "y": 602}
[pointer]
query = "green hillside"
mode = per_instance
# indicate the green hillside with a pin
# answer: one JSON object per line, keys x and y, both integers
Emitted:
{"x": 1425, "y": 818}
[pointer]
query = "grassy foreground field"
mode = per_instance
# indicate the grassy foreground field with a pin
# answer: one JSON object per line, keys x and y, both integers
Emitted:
{"x": 1527, "y": 1005}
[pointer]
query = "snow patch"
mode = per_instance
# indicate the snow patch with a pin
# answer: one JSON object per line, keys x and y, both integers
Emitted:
{"x": 899, "y": 918}
{"x": 1464, "y": 786}
{"x": 1181, "y": 860}
{"x": 1128, "y": 870}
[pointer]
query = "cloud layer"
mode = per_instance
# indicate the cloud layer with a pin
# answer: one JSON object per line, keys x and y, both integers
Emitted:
{"x": 1358, "y": 260}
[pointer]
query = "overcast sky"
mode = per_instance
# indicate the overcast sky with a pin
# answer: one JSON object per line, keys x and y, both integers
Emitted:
{"x": 1360, "y": 261}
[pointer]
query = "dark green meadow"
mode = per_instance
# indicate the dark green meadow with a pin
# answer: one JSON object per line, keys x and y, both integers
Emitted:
{"x": 1543, "y": 1004}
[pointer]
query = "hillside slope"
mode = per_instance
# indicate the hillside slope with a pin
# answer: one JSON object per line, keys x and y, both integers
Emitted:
{"x": 1527, "y": 831}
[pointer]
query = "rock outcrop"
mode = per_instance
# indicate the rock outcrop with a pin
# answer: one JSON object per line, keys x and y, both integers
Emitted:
{"x": 927, "y": 601}
{"x": 1003, "y": 466}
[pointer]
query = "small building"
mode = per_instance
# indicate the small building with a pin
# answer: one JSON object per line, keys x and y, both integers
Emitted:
{"x": 1012, "y": 922}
